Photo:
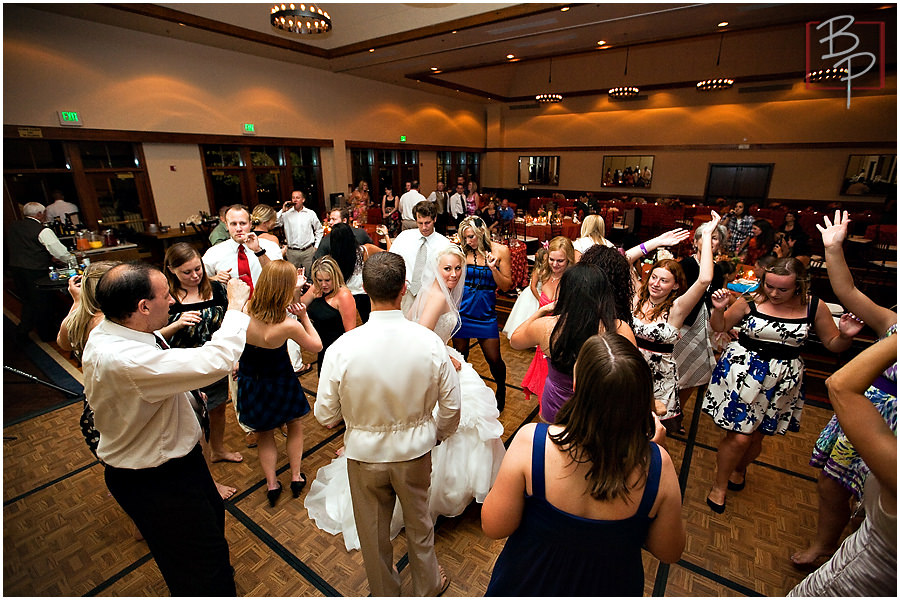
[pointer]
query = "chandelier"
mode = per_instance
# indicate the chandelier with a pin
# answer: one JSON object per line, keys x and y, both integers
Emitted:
{"x": 624, "y": 91}
{"x": 826, "y": 75}
{"x": 303, "y": 18}
{"x": 549, "y": 97}
{"x": 721, "y": 83}
{"x": 714, "y": 84}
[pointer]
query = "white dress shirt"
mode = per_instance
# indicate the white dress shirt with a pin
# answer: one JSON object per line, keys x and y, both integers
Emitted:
{"x": 223, "y": 256}
{"x": 407, "y": 202}
{"x": 457, "y": 205}
{"x": 60, "y": 209}
{"x": 140, "y": 392}
{"x": 301, "y": 228}
{"x": 407, "y": 245}
{"x": 53, "y": 245}
{"x": 389, "y": 413}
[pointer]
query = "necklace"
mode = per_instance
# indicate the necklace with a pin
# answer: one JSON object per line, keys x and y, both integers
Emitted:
{"x": 653, "y": 304}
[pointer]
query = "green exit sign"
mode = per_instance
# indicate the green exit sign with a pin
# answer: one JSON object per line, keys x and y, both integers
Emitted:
{"x": 402, "y": 138}
{"x": 249, "y": 129}
{"x": 69, "y": 118}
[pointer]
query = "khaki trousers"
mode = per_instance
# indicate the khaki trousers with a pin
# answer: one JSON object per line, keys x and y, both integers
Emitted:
{"x": 302, "y": 258}
{"x": 374, "y": 488}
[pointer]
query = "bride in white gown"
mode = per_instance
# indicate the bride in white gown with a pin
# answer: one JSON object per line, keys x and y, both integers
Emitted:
{"x": 463, "y": 466}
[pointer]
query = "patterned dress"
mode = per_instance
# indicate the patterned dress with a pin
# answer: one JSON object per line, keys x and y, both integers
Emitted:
{"x": 212, "y": 312}
{"x": 758, "y": 381}
{"x": 656, "y": 342}
{"x": 835, "y": 454}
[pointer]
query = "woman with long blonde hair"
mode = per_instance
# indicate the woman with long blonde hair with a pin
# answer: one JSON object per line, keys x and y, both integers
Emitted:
{"x": 593, "y": 232}
{"x": 329, "y": 303}
{"x": 488, "y": 268}
{"x": 269, "y": 394}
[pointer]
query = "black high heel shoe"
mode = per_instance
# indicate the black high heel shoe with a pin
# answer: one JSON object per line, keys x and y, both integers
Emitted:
{"x": 273, "y": 495}
{"x": 297, "y": 486}
{"x": 716, "y": 508}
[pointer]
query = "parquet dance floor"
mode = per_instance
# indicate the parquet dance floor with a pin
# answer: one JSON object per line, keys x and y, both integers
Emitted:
{"x": 63, "y": 535}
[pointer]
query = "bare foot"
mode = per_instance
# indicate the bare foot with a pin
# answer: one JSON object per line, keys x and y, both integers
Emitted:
{"x": 225, "y": 491}
{"x": 340, "y": 451}
{"x": 234, "y": 457}
{"x": 808, "y": 557}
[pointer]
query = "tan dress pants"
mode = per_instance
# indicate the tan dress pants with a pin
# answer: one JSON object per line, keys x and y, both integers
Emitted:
{"x": 374, "y": 488}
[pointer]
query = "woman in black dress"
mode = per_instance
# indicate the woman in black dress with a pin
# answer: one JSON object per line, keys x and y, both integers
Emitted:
{"x": 329, "y": 304}
{"x": 269, "y": 392}
{"x": 200, "y": 305}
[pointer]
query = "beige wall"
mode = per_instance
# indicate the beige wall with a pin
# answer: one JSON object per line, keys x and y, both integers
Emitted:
{"x": 179, "y": 193}
{"x": 126, "y": 80}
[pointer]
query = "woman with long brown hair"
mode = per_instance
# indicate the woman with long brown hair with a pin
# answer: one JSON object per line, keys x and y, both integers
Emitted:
{"x": 578, "y": 499}
{"x": 269, "y": 392}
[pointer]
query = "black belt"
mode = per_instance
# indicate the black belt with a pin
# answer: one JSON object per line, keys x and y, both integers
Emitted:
{"x": 769, "y": 350}
{"x": 306, "y": 247}
{"x": 654, "y": 346}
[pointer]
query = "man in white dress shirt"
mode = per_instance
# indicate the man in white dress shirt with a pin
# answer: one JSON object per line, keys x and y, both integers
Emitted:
{"x": 223, "y": 260}
{"x": 302, "y": 230}
{"x": 418, "y": 247}
{"x": 391, "y": 427}
{"x": 407, "y": 202}
{"x": 149, "y": 429}
{"x": 59, "y": 207}
{"x": 31, "y": 249}
{"x": 458, "y": 204}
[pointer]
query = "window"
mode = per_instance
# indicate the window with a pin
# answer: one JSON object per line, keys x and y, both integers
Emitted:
{"x": 393, "y": 168}
{"x": 452, "y": 165}
{"x": 252, "y": 175}
{"x": 107, "y": 180}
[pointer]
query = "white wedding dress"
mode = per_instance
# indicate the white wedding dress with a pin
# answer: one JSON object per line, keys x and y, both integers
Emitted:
{"x": 463, "y": 466}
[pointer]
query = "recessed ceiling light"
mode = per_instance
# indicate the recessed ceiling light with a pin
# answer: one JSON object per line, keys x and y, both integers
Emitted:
{"x": 564, "y": 9}
{"x": 454, "y": 31}
{"x": 601, "y": 43}
{"x": 723, "y": 24}
{"x": 371, "y": 49}
{"x": 434, "y": 68}
{"x": 510, "y": 56}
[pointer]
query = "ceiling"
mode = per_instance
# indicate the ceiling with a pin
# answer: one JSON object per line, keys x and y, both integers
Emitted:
{"x": 460, "y": 49}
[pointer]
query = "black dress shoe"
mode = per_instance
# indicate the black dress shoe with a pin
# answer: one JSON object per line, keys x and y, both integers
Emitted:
{"x": 297, "y": 486}
{"x": 273, "y": 495}
{"x": 716, "y": 508}
{"x": 736, "y": 487}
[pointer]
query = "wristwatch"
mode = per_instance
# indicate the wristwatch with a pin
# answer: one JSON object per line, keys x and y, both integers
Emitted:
{"x": 260, "y": 252}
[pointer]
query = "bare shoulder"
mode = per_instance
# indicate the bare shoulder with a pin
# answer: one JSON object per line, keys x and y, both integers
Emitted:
{"x": 499, "y": 249}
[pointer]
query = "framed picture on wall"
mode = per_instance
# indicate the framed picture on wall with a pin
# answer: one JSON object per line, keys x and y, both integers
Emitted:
{"x": 627, "y": 171}
{"x": 870, "y": 175}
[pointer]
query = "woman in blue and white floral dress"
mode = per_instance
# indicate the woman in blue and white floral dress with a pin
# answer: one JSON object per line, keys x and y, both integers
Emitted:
{"x": 757, "y": 385}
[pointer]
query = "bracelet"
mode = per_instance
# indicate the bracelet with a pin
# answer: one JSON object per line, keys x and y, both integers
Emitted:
{"x": 644, "y": 249}
{"x": 260, "y": 252}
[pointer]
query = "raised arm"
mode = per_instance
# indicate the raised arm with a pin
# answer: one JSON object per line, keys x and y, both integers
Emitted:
{"x": 724, "y": 320}
{"x": 498, "y": 262}
{"x": 685, "y": 303}
{"x": 533, "y": 330}
{"x": 835, "y": 338}
{"x": 851, "y": 298}
{"x": 669, "y": 238}
{"x": 302, "y": 330}
{"x": 860, "y": 420}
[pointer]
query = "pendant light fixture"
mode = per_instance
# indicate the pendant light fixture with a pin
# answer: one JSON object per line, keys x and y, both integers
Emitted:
{"x": 300, "y": 18}
{"x": 721, "y": 83}
{"x": 627, "y": 91}
{"x": 549, "y": 97}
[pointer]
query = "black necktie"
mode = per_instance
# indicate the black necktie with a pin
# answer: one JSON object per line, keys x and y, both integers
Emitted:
{"x": 199, "y": 404}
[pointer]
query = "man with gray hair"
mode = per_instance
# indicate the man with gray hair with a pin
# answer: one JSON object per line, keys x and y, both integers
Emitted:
{"x": 31, "y": 249}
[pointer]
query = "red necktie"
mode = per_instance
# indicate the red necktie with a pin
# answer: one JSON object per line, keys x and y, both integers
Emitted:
{"x": 244, "y": 268}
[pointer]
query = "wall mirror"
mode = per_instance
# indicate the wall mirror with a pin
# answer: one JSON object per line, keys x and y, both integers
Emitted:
{"x": 540, "y": 170}
{"x": 627, "y": 171}
{"x": 870, "y": 175}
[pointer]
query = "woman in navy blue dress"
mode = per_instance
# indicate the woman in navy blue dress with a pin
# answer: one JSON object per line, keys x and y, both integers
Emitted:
{"x": 580, "y": 497}
{"x": 488, "y": 268}
{"x": 269, "y": 393}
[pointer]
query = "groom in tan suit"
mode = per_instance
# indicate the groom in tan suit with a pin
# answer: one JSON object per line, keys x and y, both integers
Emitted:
{"x": 390, "y": 428}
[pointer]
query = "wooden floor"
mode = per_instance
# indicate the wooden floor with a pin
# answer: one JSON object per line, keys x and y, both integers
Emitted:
{"x": 63, "y": 535}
